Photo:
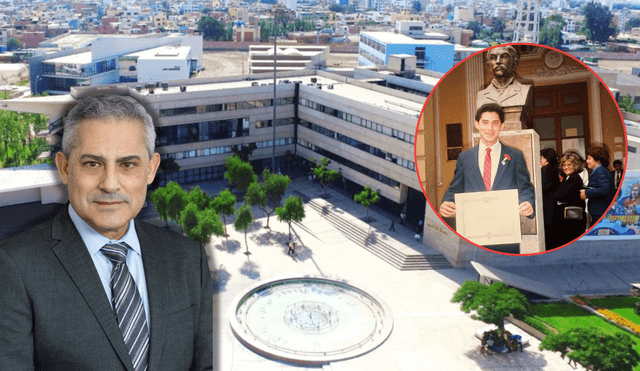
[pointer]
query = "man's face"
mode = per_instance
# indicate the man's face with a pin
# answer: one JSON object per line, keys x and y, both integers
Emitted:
{"x": 107, "y": 174}
{"x": 617, "y": 167}
{"x": 501, "y": 63}
{"x": 634, "y": 192}
{"x": 489, "y": 128}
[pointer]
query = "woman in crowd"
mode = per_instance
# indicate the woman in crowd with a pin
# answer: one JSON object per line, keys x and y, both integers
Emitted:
{"x": 601, "y": 189}
{"x": 567, "y": 225}
{"x": 550, "y": 182}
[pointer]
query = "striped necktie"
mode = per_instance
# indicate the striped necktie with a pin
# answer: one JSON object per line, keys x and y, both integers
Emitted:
{"x": 127, "y": 306}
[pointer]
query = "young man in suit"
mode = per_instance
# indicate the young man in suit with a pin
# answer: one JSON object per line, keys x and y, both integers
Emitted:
{"x": 490, "y": 166}
{"x": 92, "y": 289}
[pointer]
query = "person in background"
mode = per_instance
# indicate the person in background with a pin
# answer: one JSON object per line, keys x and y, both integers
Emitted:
{"x": 550, "y": 182}
{"x": 617, "y": 173}
{"x": 601, "y": 190}
{"x": 565, "y": 230}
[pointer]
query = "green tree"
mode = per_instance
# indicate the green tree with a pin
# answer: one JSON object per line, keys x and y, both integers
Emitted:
{"x": 13, "y": 44}
{"x": 160, "y": 200}
{"x": 627, "y": 104}
{"x": 243, "y": 221}
{"x": 177, "y": 200}
{"x": 212, "y": 29}
{"x": 200, "y": 198}
{"x": 228, "y": 32}
{"x": 239, "y": 173}
{"x": 597, "y": 24}
{"x": 325, "y": 175}
{"x": 493, "y": 302}
{"x": 635, "y": 22}
{"x": 199, "y": 225}
{"x": 292, "y": 211}
{"x": 551, "y": 31}
{"x": 225, "y": 204}
{"x": 18, "y": 145}
{"x": 366, "y": 198}
{"x": 270, "y": 191}
{"x": 244, "y": 152}
{"x": 476, "y": 27}
{"x": 591, "y": 347}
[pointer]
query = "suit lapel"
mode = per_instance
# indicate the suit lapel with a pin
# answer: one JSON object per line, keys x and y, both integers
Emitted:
{"x": 501, "y": 167}
{"x": 476, "y": 169}
{"x": 154, "y": 270}
{"x": 74, "y": 257}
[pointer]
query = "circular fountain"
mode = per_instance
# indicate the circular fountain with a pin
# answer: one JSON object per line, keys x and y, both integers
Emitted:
{"x": 309, "y": 320}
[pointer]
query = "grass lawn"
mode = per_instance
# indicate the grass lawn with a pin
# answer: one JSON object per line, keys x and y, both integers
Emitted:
{"x": 565, "y": 316}
{"x": 623, "y": 306}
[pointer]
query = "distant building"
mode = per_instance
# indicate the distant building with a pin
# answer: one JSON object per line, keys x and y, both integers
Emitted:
{"x": 527, "y": 23}
{"x": 86, "y": 59}
{"x": 376, "y": 47}
{"x": 293, "y": 58}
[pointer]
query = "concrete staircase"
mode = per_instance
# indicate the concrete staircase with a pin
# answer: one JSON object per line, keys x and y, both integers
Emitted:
{"x": 378, "y": 248}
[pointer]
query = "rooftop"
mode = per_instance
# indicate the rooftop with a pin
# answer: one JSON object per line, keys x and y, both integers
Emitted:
{"x": 392, "y": 38}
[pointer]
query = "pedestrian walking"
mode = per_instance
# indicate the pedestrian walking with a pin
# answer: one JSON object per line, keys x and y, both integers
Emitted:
{"x": 393, "y": 225}
{"x": 292, "y": 248}
{"x": 402, "y": 217}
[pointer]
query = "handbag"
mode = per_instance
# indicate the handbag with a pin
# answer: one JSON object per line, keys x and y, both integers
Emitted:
{"x": 573, "y": 212}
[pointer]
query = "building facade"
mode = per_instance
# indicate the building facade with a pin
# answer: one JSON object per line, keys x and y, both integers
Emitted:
{"x": 376, "y": 47}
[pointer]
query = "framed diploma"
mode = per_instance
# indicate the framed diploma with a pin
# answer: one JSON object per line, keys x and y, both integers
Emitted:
{"x": 489, "y": 218}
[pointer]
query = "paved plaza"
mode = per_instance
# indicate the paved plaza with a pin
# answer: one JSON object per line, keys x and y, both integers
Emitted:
{"x": 429, "y": 332}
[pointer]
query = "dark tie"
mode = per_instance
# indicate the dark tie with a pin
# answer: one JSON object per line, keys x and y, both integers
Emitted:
{"x": 617, "y": 178}
{"x": 127, "y": 306}
{"x": 486, "y": 174}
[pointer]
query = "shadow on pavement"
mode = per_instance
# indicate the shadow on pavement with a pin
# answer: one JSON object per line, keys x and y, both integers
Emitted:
{"x": 270, "y": 238}
{"x": 250, "y": 269}
{"x": 525, "y": 360}
{"x": 230, "y": 246}
{"x": 220, "y": 279}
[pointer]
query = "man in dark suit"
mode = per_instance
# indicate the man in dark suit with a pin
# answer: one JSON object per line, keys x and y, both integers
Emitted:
{"x": 490, "y": 166}
{"x": 92, "y": 289}
{"x": 617, "y": 173}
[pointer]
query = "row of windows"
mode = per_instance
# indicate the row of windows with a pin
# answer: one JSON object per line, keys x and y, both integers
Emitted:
{"x": 191, "y": 110}
{"x": 202, "y": 131}
{"x": 213, "y": 151}
{"x": 279, "y": 122}
{"x": 371, "y": 58}
{"x": 350, "y": 164}
{"x": 373, "y": 44}
{"x": 359, "y": 145}
{"x": 80, "y": 70}
{"x": 206, "y": 173}
{"x": 358, "y": 121}
{"x": 192, "y": 175}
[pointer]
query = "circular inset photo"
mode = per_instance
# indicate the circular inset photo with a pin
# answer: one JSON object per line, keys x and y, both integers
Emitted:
{"x": 518, "y": 147}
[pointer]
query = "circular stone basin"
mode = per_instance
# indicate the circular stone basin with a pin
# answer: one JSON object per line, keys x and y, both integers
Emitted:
{"x": 310, "y": 320}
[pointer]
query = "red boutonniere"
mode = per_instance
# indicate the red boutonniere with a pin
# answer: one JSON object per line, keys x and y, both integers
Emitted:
{"x": 505, "y": 159}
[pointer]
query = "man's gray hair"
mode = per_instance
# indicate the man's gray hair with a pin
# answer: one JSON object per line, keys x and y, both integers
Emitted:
{"x": 107, "y": 108}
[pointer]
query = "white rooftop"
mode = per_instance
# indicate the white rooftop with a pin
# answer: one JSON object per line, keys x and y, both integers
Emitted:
{"x": 392, "y": 38}
{"x": 28, "y": 177}
{"x": 80, "y": 58}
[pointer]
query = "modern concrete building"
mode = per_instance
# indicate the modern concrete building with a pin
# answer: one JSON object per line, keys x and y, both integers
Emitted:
{"x": 289, "y": 58}
{"x": 89, "y": 59}
{"x": 319, "y": 114}
{"x": 376, "y": 47}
